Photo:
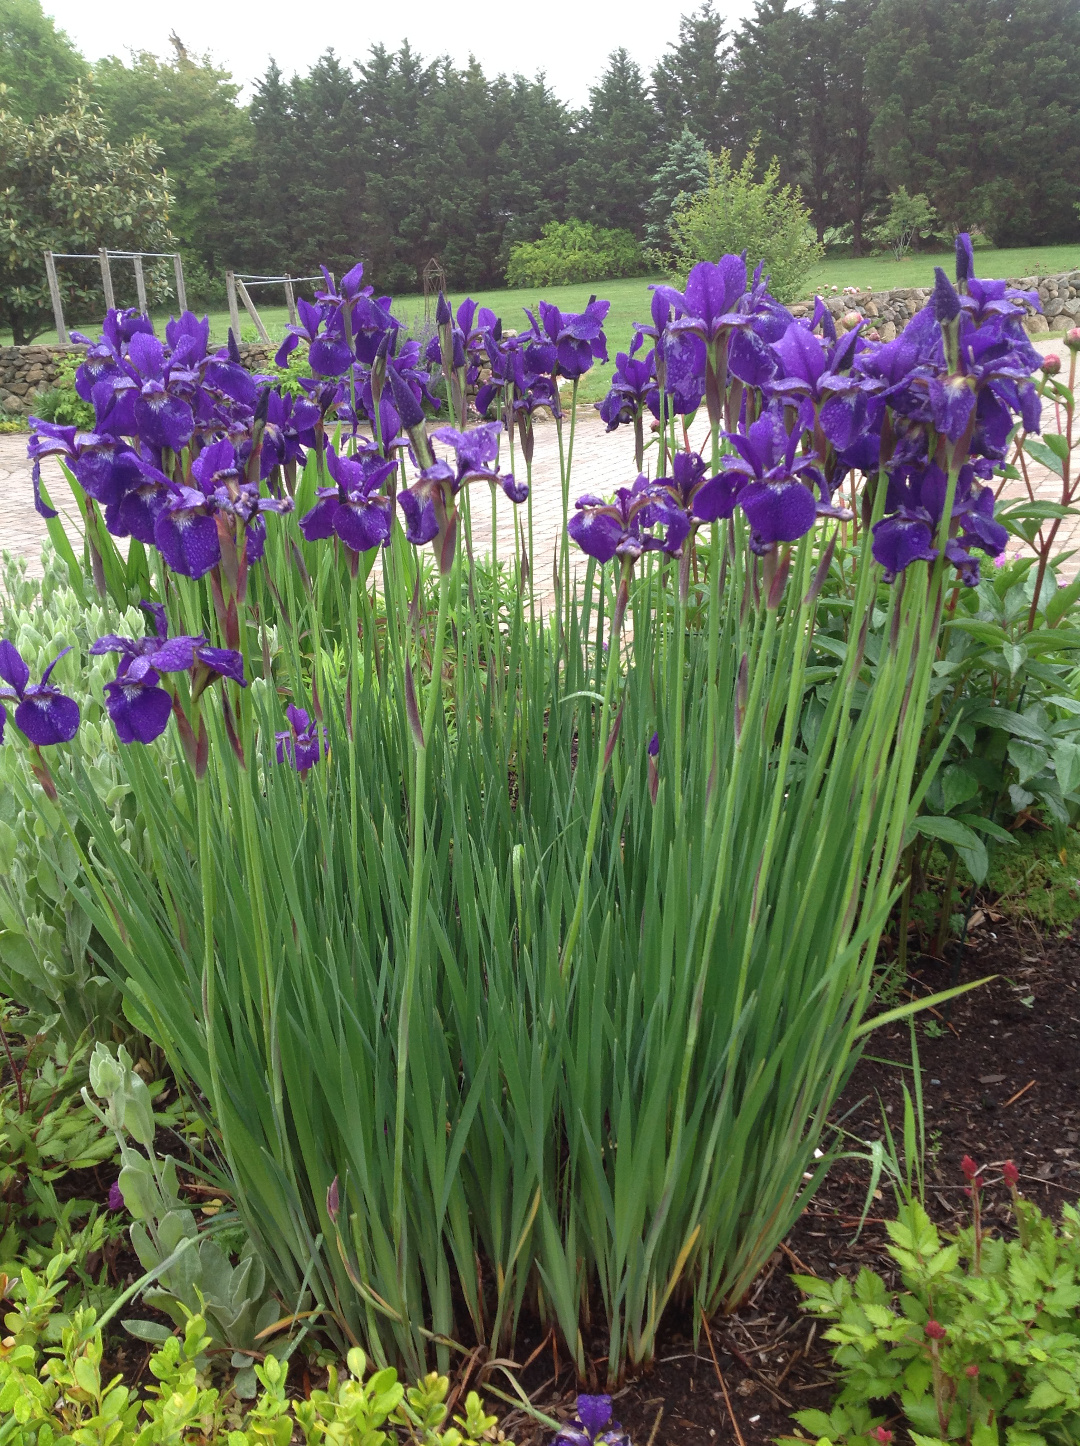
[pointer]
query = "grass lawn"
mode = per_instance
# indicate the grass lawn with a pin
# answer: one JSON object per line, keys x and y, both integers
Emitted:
{"x": 630, "y": 299}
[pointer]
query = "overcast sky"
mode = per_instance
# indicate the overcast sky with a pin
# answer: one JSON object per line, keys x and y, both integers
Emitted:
{"x": 569, "y": 42}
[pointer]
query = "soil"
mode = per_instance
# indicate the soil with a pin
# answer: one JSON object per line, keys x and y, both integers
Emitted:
{"x": 1001, "y": 1080}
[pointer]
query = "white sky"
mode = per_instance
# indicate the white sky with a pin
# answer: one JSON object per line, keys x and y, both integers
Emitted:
{"x": 569, "y": 42}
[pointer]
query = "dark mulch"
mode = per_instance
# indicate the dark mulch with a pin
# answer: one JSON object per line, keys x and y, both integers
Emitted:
{"x": 1001, "y": 1081}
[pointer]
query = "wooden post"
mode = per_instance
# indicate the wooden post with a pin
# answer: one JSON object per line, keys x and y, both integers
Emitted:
{"x": 181, "y": 289}
{"x": 234, "y": 310}
{"x": 140, "y": 284}
{"x": 290, "y": 299}
{"x": 245, "y": 297}
{"x": 106, "y": 279}
{"x": 57, "y": 305}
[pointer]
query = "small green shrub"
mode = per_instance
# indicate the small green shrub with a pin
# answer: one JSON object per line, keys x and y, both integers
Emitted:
{"x": 981, "y": 1345}
{"x": 736, "y": 212}
{"x": 61, "y": 403}
{"x": 70, "y": 1397}
{"x": 909, "y": 218}
{"x": 569, "y": 251}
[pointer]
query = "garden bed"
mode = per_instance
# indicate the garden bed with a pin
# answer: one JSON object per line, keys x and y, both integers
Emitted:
{"x": 977, "y": 1065}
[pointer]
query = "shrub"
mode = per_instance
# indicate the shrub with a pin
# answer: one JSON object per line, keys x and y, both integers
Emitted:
{"x": 72, "y": 1396}
{"x": 980, "y": 1343}
{"x": 569, "y": 251}
{"x": 735, "y": 212}
{"x": 61, "y": 403}
{"x": 909, "y": 218}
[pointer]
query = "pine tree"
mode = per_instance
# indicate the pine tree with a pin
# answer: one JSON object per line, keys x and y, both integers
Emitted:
{"x": 688, "y": 81}
{"x": 683, "y": 172}
{"x": 618, "y": 135}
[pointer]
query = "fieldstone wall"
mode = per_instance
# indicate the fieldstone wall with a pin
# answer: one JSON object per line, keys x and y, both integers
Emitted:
{"x": 28, "y": 372}
{"x": 890, "y": 311}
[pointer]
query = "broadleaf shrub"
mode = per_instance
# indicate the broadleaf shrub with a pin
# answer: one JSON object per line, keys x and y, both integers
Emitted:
{"x": 569, "y": 251}
{"x": 737, "y": 212}
{"x": 981, "y": 1344}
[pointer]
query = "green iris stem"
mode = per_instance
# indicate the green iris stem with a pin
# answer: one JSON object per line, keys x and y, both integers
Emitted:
{"x": 415, "y": 909}
{"x": 603, "y": 763}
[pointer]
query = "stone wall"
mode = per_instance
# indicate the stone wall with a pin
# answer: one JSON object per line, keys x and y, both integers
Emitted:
{"x": 890, "y": 311}
{"x": 28, "y": 372}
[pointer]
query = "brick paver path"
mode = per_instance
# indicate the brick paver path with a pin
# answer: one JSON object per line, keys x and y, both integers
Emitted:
{"x": 601, "y": 462}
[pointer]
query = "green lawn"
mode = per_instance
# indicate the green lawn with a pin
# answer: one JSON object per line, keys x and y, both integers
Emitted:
{"x": 881, "y": 273}
{"x": 630, "y": 298}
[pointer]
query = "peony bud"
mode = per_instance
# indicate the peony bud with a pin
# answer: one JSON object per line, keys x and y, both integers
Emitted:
{"x": 1072, "y": 338}
{"x": 1051, "y": 363}
{"x": 935, "y": 1330}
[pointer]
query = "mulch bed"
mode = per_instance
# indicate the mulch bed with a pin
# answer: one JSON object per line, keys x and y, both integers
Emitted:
{"x": 1001, "y": 1080}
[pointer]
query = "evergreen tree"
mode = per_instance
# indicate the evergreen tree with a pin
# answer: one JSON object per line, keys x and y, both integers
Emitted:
{"x": 683, "y": 172}
{"x": 688, "y": 81}
{"x": 767, "y": 86}
{"x": 38, "y": 63}
{"x": 608, "y": 185}
{"x": 979, "y": 108}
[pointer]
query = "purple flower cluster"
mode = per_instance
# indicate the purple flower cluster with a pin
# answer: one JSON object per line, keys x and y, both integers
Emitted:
{"x": 799, "y": 406}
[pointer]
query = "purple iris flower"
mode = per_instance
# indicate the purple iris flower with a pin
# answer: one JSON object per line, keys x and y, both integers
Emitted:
{"x": 707, "y": 307}
{"x": 593, "y": 1425}
{"x": 577, "y": 338}
{"x": 304, "y": 743}
{"x": 219, "y": 472}
{"x": 44, "y": 714}
{"x": 621, "y": 528}
{"x": 163, "y": 417}
{"x": 915, "y": 501}
{"x": 135, "y": 700}
{"x": 328, "y": 351}
{"x": 631, "y": 383}
{"x": 771, "y": 485}
{"x": 186, "y": 532}
{"x": 355, "y": 510}
{"x": 116, "y": 1197}
{"x": 287, "y": 418}
{"x": 819, "y": 375}
{"x": 94, "y": 461}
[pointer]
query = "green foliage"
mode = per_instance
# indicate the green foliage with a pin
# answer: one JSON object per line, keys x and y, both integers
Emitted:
{"x": 909, "y": 218}
{"x": 64, "y": 187}
{"x": 570, "y": 251}
{"x": 61, "y": 403}
{"x": 46, "y": 1132}
{"x": 736, "y": 211}
{"x": 39, "y": 66}
{"x": 1005, "y": 1366}
{"x": 71, "y": 1397}
{"x": 193, "y": 1273}
{"x": 188, "y": 107}
{"x": 608, "y": 184}
{"x": 683, "y": 172}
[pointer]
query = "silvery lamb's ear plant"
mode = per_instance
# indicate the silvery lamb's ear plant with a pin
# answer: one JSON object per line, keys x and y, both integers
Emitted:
{"x": 234, "y": 1300}
{"x": 521, "y": 955}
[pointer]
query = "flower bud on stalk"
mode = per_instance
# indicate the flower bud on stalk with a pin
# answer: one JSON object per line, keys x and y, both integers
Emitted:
{"x": 1051, "y": 364}
{"x": 1072, "y": 338}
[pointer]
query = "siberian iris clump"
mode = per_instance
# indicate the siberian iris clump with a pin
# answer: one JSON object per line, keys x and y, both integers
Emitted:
{"x": 520, "y": 956}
